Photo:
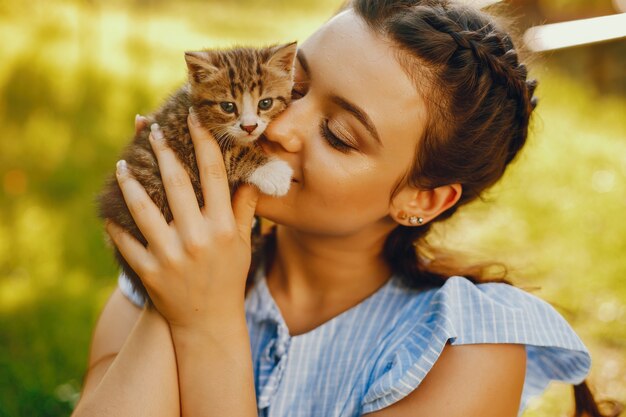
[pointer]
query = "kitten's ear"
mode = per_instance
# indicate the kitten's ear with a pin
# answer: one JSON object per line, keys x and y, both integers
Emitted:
{"x": 283, "y": 56}
{"x": 200, "y": 66}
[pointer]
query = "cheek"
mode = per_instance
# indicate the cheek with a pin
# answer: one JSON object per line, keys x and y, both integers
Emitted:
{"x": 356, "y": 188}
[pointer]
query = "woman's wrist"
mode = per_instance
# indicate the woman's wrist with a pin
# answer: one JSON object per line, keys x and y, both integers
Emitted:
{"x": 215, "y": 367}
{"x": 223, "y": 322}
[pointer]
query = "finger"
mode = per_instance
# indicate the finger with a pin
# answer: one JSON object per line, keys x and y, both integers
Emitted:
{"x": 180, "y": 194}
{"x": 244, "y": 205}
{"x": 146, "y": 214}
{"x": 213, "y": 177}
{"x": 141, "y": 123}
{"x": 131, "y": 249}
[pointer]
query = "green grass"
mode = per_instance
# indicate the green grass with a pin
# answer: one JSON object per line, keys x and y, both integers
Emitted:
{"x": 73, "y": 76}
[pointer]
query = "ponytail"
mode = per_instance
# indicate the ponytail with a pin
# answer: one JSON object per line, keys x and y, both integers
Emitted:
{"x": 586, "y": 405}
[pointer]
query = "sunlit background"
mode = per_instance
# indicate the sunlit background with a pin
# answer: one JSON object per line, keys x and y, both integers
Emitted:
{"x": 73, "y": 74}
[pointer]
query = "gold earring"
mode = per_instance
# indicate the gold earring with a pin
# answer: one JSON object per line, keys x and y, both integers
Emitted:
{"x": 402, "y": 215}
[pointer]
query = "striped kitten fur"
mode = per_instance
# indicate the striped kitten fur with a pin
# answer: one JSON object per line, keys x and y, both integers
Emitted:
{"x": 235, "y": 93}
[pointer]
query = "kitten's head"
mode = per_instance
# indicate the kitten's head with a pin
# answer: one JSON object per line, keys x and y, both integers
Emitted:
{"x": 236, "y": 93}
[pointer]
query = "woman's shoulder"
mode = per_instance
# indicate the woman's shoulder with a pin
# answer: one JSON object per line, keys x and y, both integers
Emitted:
{"x": 461, "y": 312}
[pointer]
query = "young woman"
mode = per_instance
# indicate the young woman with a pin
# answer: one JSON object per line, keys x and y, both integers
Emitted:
{"x": 403, "y": 111}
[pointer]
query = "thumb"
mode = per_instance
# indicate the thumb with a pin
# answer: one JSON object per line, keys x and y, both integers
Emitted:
{"x": 244, "y": 205}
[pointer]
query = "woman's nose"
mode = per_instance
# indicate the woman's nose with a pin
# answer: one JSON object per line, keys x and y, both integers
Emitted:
{"x": 285, "y": 131}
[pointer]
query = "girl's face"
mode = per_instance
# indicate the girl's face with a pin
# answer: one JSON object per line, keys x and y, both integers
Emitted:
{"x": 350, "y": 133}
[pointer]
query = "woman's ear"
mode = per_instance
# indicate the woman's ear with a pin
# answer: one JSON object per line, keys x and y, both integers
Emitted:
{"x": 412, "y": 206}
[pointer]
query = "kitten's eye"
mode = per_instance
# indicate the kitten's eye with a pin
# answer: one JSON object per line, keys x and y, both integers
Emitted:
{"x": 228, "y": 107}
{"x": 266, "y": 103}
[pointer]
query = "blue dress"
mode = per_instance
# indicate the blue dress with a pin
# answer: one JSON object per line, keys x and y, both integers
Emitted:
{"x": 377, "y": 352}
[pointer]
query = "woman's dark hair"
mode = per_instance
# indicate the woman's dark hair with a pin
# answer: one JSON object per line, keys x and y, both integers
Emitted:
{"x": 479, "y": 102}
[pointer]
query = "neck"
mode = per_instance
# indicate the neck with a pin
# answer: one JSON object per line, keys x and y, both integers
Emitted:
{"x": 314, "y": 270}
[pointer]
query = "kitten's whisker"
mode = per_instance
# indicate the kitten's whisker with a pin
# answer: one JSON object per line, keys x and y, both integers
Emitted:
{"x": 225, "y": 138}
{"x": 222, "y": 139}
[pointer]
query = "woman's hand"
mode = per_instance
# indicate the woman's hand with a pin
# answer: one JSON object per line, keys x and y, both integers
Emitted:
{"x": 195, "y": 267}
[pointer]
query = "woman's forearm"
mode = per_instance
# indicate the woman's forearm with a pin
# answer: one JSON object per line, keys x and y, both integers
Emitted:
{"x": 142, "y": 379}
{"x": 215, "y": 369}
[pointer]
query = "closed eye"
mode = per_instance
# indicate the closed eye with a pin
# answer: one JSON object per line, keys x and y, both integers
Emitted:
{"x": 332, "y": 139}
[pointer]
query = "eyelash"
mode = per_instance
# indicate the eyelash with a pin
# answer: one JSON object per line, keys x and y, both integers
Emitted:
{"x": 332, "y": 139}
{"x": 326, "y": 133}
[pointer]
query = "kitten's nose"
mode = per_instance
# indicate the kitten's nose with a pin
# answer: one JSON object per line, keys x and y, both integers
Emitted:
{"x": 249, "y": 128}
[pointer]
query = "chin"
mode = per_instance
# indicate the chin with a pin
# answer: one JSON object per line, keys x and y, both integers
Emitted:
{"x": 268, "y": 206}
{"x": 276, "y": 210}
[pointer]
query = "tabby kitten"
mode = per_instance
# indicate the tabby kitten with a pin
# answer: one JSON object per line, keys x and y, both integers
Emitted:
{"x": 234, "y": 93}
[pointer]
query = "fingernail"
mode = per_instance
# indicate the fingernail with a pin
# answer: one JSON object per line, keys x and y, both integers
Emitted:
{"x": 122, "y": 168}
{"x": 192, "y": 116}
{"x": 156, "y": 131}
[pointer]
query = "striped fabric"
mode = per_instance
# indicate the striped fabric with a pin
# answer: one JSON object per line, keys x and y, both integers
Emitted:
{"x": 377, "y": 352}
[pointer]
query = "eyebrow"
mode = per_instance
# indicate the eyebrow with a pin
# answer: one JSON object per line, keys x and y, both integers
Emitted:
{"x": 360, "y": 115}
{"x": 351, "y": 108}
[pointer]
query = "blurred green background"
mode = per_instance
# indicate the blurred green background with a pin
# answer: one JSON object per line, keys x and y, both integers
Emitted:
{"x": 73, "y": 74}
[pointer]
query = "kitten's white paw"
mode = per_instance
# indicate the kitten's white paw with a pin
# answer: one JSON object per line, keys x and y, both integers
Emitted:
{"x": 273, "y": 178}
